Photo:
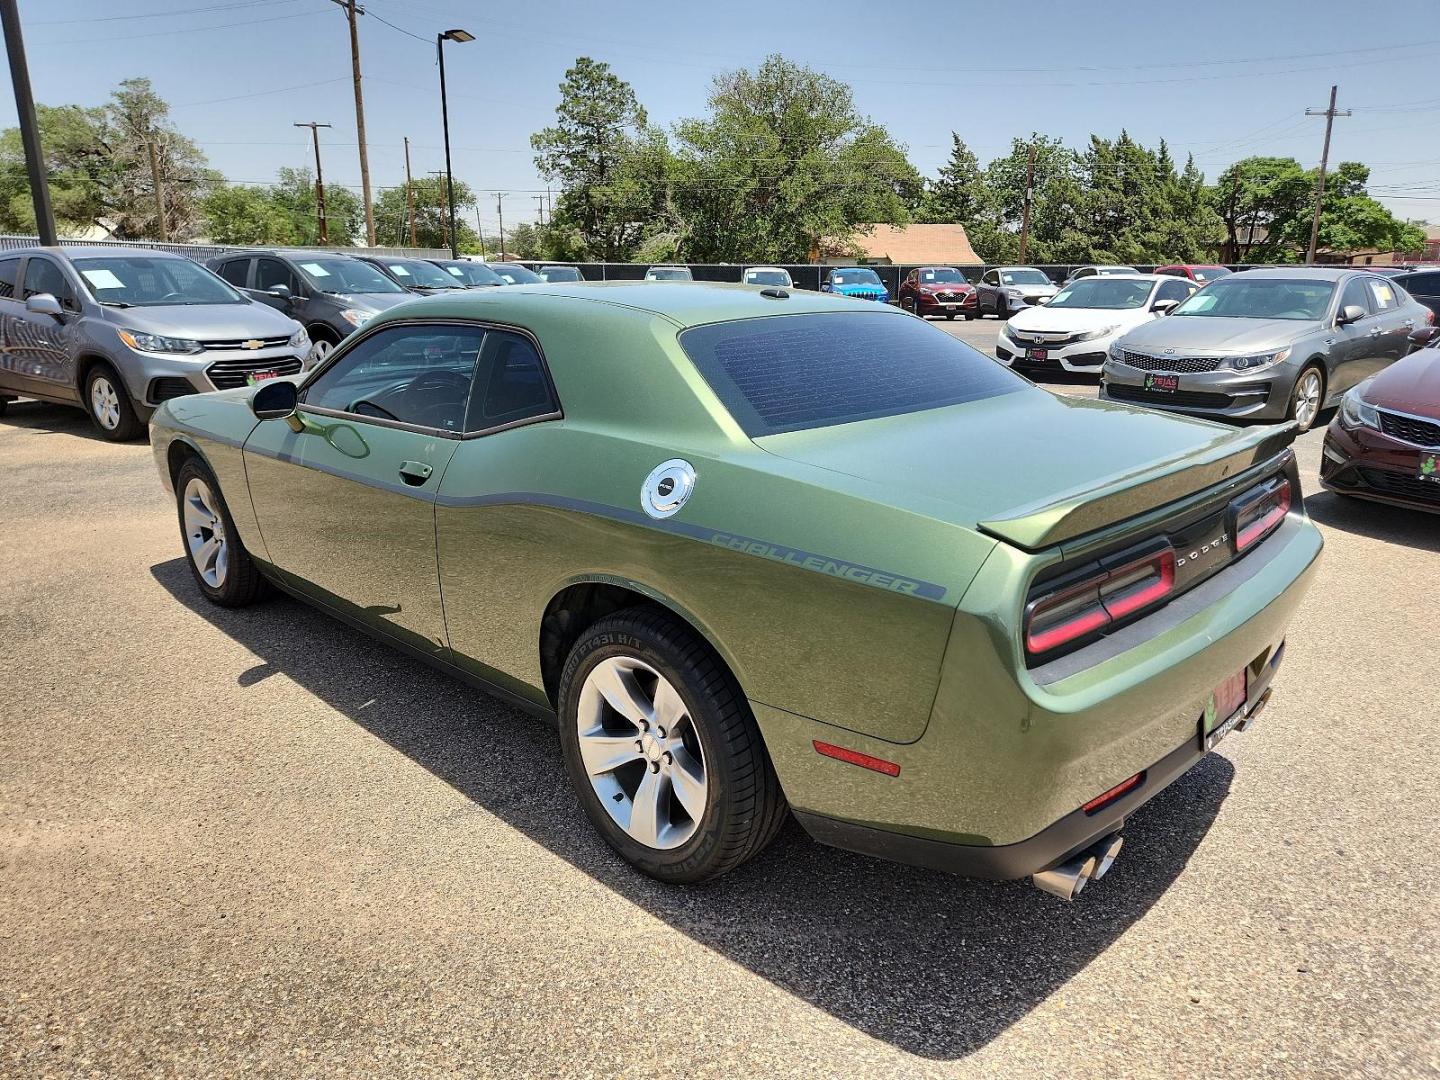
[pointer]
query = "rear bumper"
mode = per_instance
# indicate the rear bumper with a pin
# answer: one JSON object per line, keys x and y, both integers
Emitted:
{"x": 1073, "y": 833}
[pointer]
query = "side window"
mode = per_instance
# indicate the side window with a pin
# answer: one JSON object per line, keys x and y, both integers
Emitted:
{"x": 1384, "y": 295}
{"x": 414, "y": 373}
{"x": 9, "y": 270}
{"x": 992, "y": 277}
{"x": 1170, "y": 271}
{"x": 911, "y": 277}
{"x": 1174, "y": 290}
{"x": 1356, "y": 293}
{"x": 1423, "y": 284}
{"x": 510, "y": 383}
{"x": 272, "y": 272}
{"x": 236, "y": 271}
{"x": 43, "y": 276}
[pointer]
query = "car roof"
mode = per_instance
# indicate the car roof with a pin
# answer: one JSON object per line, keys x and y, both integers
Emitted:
{"x": 71, "y": 251}
{"x": 684, "y": 304}
{"x": 1317, "y": 273}
{"x": 1137, "y": 276}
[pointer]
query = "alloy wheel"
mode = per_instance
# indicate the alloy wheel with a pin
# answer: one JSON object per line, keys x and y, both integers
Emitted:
{"x": 322, "y": 349}
{"x": 205, "y": 533}
{"x": 641, "y": 752}
{"x": 1307, "y": 398}
{"x": 105, "y": 402}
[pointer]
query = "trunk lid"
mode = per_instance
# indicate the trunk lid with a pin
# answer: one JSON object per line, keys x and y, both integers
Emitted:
{"x": 1034, "y": 468}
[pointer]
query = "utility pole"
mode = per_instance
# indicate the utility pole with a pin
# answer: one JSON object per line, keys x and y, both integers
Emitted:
{"x": 500, "y": 210}
{"x": 352, "y": 10}
{"x": 549, "y": 206}
{"x": 1329, "y": 115}
{"x": 159, "y": 191}
{"x": 29, "y": 129}
{"x": 322, "y": 232}
{"x": 1025, "y": 216}
{"x": 540, "y": 200}
{"x": 480, "y": 231}
{"x": 410, "y": 194}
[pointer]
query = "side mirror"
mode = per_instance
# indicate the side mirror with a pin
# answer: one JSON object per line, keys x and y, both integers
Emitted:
{"x": 280, "y": 292}
{"x": 42, "y": 303}
{"x": 1164, "y": 307}
{"x": 274, "y": 399}
{"x": 1350, "y": 313}
{"x": 1423, "y": 337}
{"x": 1043, "y": 299}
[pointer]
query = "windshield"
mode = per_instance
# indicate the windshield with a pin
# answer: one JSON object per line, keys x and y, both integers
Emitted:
{"x": 1117, "y": 294}
{"x": 668, "y": 273}
{"x": 468, "y": 273}
{"x": 1208, "y": 273}
{"x": 516, "y": 275}
{"x": 417, "y": 274}
{"x": 144, "y": 281}
{"x": 1116, "y": 270}
{"x": 345, "y": 275}
{"x": 767, "y": 277}
{"x": 1244, "y": 297}
{"x": 793, "y": 372}
{"x": 561, "y": 273}
{"x": 855, "y": 277}
{"x": 1023, "y": 277}
{"x": 943, "y": 274}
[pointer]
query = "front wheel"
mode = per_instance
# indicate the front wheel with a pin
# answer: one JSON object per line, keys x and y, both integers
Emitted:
{"x": 1307, "y": 398}
{"x": 109, "y": 405}
{"x": 218, "y": 560}
{"x": 663, "y": 749}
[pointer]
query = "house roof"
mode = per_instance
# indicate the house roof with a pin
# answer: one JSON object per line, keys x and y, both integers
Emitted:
{"x": 941, "y": 245}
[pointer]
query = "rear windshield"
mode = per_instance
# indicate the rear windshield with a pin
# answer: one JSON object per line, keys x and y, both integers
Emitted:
{"x": 793, "y": 372}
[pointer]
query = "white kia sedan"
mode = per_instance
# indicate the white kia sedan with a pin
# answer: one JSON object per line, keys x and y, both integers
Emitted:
{"x": 1073, "y": 330}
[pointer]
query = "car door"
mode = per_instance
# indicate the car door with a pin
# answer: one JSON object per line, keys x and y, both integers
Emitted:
{"x": 45, "y": 344}
{"x": 346, "y": 506}
{"x": 989, "y": 285}
{"x": 487, "y": 534}
{"x": 272, "y": 272}
{"x": 1354, "y": 352}
{"x": 910, "y": 288}
{"x": 1394, "y": 322}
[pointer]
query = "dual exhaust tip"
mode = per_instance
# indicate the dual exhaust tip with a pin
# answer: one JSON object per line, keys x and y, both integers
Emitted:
{"x": 1069, "y": 878}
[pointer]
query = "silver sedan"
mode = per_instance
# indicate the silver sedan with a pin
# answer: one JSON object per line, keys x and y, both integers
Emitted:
{"x": 1265, "y": 345}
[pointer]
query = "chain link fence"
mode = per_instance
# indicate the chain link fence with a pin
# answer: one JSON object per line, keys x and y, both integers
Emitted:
{"x": 201, "y": 252}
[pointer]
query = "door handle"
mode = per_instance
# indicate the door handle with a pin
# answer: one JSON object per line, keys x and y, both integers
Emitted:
{"x": 1409, "y": 324}
{"x": 1376, "y": 331}
{"x": 415, "y": 473}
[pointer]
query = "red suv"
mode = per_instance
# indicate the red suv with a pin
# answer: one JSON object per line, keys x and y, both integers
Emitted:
{"x": 938, "y": 290}
{"x": 1201, "y": 275}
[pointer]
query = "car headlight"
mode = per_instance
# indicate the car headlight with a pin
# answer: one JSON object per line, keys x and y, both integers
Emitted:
{"x": 1116, "y": 353}
{"x": 158, "y": 343}
{"x": 1257, "y": 360}
{"x": 300, "y": 340}
{"x": 1014, "y": 294}
{"x": 356, "y": 318}
{"x": 1104, "y": 331}
{"x": 1355, "y": 411}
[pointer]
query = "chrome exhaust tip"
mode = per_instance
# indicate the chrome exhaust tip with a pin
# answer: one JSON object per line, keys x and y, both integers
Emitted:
{"x": 1068, "y": 879}
{"x": 1106, "y": 853}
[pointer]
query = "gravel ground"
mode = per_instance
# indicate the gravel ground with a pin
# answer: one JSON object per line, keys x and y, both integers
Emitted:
{"x": 258, "y": 843}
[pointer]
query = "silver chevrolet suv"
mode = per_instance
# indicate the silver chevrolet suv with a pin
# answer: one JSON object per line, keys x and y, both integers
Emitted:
{"x": 117, "y": 331}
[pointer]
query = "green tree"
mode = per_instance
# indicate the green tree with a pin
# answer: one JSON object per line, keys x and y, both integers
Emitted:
{"x": 235, "y": 214}
{"x": 959, "y": 193}
{"x": 294, "y": 193}
{"x": 1262, "y": 203}
{"x": 135, "y": 117}
{"x": 599, "y": 124}
{"x": 783, "y": 162}
{"x": 432, "y": 215}
{"x": 80, "y": 170}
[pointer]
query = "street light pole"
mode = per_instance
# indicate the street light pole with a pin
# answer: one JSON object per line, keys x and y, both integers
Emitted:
{"x": 322, "y": 232}
{"x": 29, "y": 129}
{"x": 440, "y": 39}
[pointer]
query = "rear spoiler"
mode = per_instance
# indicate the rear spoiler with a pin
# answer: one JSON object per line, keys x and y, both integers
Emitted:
{"x": 1080, "y": 511}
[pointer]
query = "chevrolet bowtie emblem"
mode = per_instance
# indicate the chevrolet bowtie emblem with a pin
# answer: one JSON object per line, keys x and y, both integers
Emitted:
{"x": 252, "y": 344}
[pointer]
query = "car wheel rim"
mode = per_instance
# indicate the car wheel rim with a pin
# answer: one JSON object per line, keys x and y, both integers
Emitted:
{"x": 1307, "y": 398}
{"x": 105, "y": 403}
{"x": 322, "y": 349}
{"x": 205, "y": 533}
{"x": 641, "y": 752}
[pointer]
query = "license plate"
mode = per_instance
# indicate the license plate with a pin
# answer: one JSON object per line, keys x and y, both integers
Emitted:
{"x": 949, "y": 307}
{"x": 1167, "y": 383}
{"x": 1037, "y": 354}
{"x": 260, "y": 376}
{"x": 1430, "y": 468}
{"x": 1225, "y": 709}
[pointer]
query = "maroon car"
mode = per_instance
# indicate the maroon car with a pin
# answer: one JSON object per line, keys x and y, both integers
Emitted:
{"x": 1384, "y": 443}
{"x": 938, "y": 290}
{"x": 1201, "y": 275}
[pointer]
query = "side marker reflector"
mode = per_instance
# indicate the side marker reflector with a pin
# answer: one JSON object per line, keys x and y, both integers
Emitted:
{"x": 854, "y": 757}
{"x": 1114, "y": 793}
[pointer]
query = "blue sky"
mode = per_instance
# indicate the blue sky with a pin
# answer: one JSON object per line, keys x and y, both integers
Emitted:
{"x": 1220, "y": 79}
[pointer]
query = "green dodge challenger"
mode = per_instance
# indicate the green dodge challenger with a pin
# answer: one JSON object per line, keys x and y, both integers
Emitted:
{"x": 758, "y": 553}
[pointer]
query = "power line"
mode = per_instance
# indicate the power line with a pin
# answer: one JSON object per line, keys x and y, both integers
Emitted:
{"x": 186, "y": 30}
{"x": 162, "y": 14}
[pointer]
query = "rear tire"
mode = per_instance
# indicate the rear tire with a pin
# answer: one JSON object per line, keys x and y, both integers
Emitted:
{"x": 217, "y": 558}
{"x": 676, "y": 779}
{"x": 4, "y": 405}
{"x": 108, "y": 404}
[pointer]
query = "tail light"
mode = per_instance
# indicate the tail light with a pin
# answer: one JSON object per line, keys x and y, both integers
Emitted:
{"x": 1098, "y": 596}
{"x": 1259, "y": 514}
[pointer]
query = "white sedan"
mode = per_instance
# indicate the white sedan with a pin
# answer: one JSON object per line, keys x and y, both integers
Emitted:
{"x": 1073, "y": 330}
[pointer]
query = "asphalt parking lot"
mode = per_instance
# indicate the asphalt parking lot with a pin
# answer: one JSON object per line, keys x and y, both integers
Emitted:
{"x": 255, "y": 842}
